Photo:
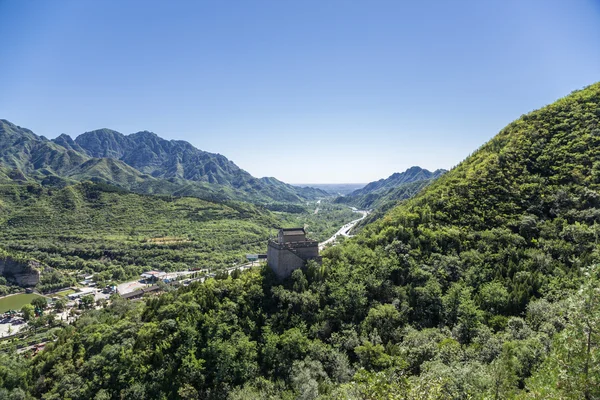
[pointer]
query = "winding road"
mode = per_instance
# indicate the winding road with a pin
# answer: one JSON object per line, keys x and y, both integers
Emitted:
{"x": 344, "y": 230}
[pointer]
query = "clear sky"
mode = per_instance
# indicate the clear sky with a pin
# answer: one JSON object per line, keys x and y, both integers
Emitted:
{"x": 318, "y": 91}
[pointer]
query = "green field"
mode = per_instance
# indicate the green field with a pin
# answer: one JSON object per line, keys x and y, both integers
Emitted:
{"x": 15, "y": 302}
{"x": 63, "y": 293}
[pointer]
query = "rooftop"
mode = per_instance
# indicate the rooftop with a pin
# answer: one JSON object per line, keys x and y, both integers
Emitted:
{"x": 153, "y": 274}
{"x": 141, "y": 292}
{"x": 293, "y": 231}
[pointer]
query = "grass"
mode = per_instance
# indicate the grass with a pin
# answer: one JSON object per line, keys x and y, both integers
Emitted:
{"x": 63, "y": 293}
{"x": 15, "y": 302}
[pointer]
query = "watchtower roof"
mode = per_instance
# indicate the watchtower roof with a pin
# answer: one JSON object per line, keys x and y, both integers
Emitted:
{"x": 293, "y": 231}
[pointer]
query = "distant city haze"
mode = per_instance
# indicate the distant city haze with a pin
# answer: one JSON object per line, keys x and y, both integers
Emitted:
{"x": 311, "y": 91}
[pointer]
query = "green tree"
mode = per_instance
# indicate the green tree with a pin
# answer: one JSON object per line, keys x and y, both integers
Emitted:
{"x": 504, "y": 373}
{"x": 572, "y": 369}
{"x": 385, "y": 319}
{"x": 60, "y": 305}
{"x": 87, "y": 302}
{"x": 300, "y": 282}
{"x": 461, "y": 312}
{"x": 28, "y": 312}
{"x": 39, "y": 303}
{"x": 493, "y": 298}
{"x": 307, "y": 375}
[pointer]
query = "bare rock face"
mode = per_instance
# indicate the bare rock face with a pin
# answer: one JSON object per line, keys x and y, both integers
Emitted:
{"x": 22, "y": 273}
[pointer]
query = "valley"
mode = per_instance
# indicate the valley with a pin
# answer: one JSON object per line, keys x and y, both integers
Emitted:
{"x": 156, "y": 241}
{"x": 90, "y": 228}
{"x": 473, "y": 287}
{"x": 138, "y": 267}
{"x": 344, "y": 231}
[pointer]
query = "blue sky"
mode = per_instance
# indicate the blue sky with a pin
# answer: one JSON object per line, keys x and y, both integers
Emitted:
{"x": 306, "y": 91}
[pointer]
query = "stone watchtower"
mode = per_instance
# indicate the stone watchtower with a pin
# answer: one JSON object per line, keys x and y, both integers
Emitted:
{"x": 290, "y": 251}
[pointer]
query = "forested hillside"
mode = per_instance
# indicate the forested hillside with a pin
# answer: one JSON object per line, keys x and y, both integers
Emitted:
{"x": 485, "y": 285}
{"x": 141, "y": 162}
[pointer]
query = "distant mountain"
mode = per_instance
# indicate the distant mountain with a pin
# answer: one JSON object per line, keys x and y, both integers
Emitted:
{"x": 160, "y": 158}
{"x": 413, "y": 174}
{"x": 141, "y": 162}
{"x": 398, "y": 186}
{"x": 338, "y": 189}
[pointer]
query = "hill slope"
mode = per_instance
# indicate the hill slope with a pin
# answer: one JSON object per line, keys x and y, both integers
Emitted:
{"x": 384, "y": 193}
{"x": 413, "y": 174}
{"x": 179, "y": 161}
{"x": 457, "y": 293}
{"x": 141, "y": 162}
{"x": 26, "y": 153}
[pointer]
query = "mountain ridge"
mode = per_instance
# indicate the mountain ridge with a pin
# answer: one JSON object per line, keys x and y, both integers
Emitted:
{"x": 412, "y": 174}
{"x": 142, "y": 162}
{"x": 386, "y": 191}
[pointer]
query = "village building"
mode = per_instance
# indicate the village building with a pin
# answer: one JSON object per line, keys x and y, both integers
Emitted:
{"x": 290, "y": 251}
{"x": 153, "y": 276}
{"x": 141, "y": 292}
{"x": 256, "y": 257}
{"x": 82, "y": 292}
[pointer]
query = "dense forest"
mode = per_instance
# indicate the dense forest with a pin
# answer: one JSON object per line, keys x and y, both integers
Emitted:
{"x": 485, "y": 285}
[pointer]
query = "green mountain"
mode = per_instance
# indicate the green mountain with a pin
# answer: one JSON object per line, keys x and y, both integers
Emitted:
{"x": 484, "y": 285}
{"x": 179, "y": 162}
{"x": 413, "y": 174}
{"x": 148, "y": 153}
{"x": 384, "y": 193}
{"x": 141, "y": 162}
{"x": 25, "y": 153}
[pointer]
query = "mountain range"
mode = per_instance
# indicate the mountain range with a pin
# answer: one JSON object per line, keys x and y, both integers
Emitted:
{"x": 141, "y": 162}
{"x": 398, "y": 186}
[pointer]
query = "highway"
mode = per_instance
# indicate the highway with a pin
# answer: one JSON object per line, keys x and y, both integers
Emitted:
{"x": 344, "y": 230}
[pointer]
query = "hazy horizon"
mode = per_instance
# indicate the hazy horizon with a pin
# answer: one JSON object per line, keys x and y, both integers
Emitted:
{"x": 350, "y": 92}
